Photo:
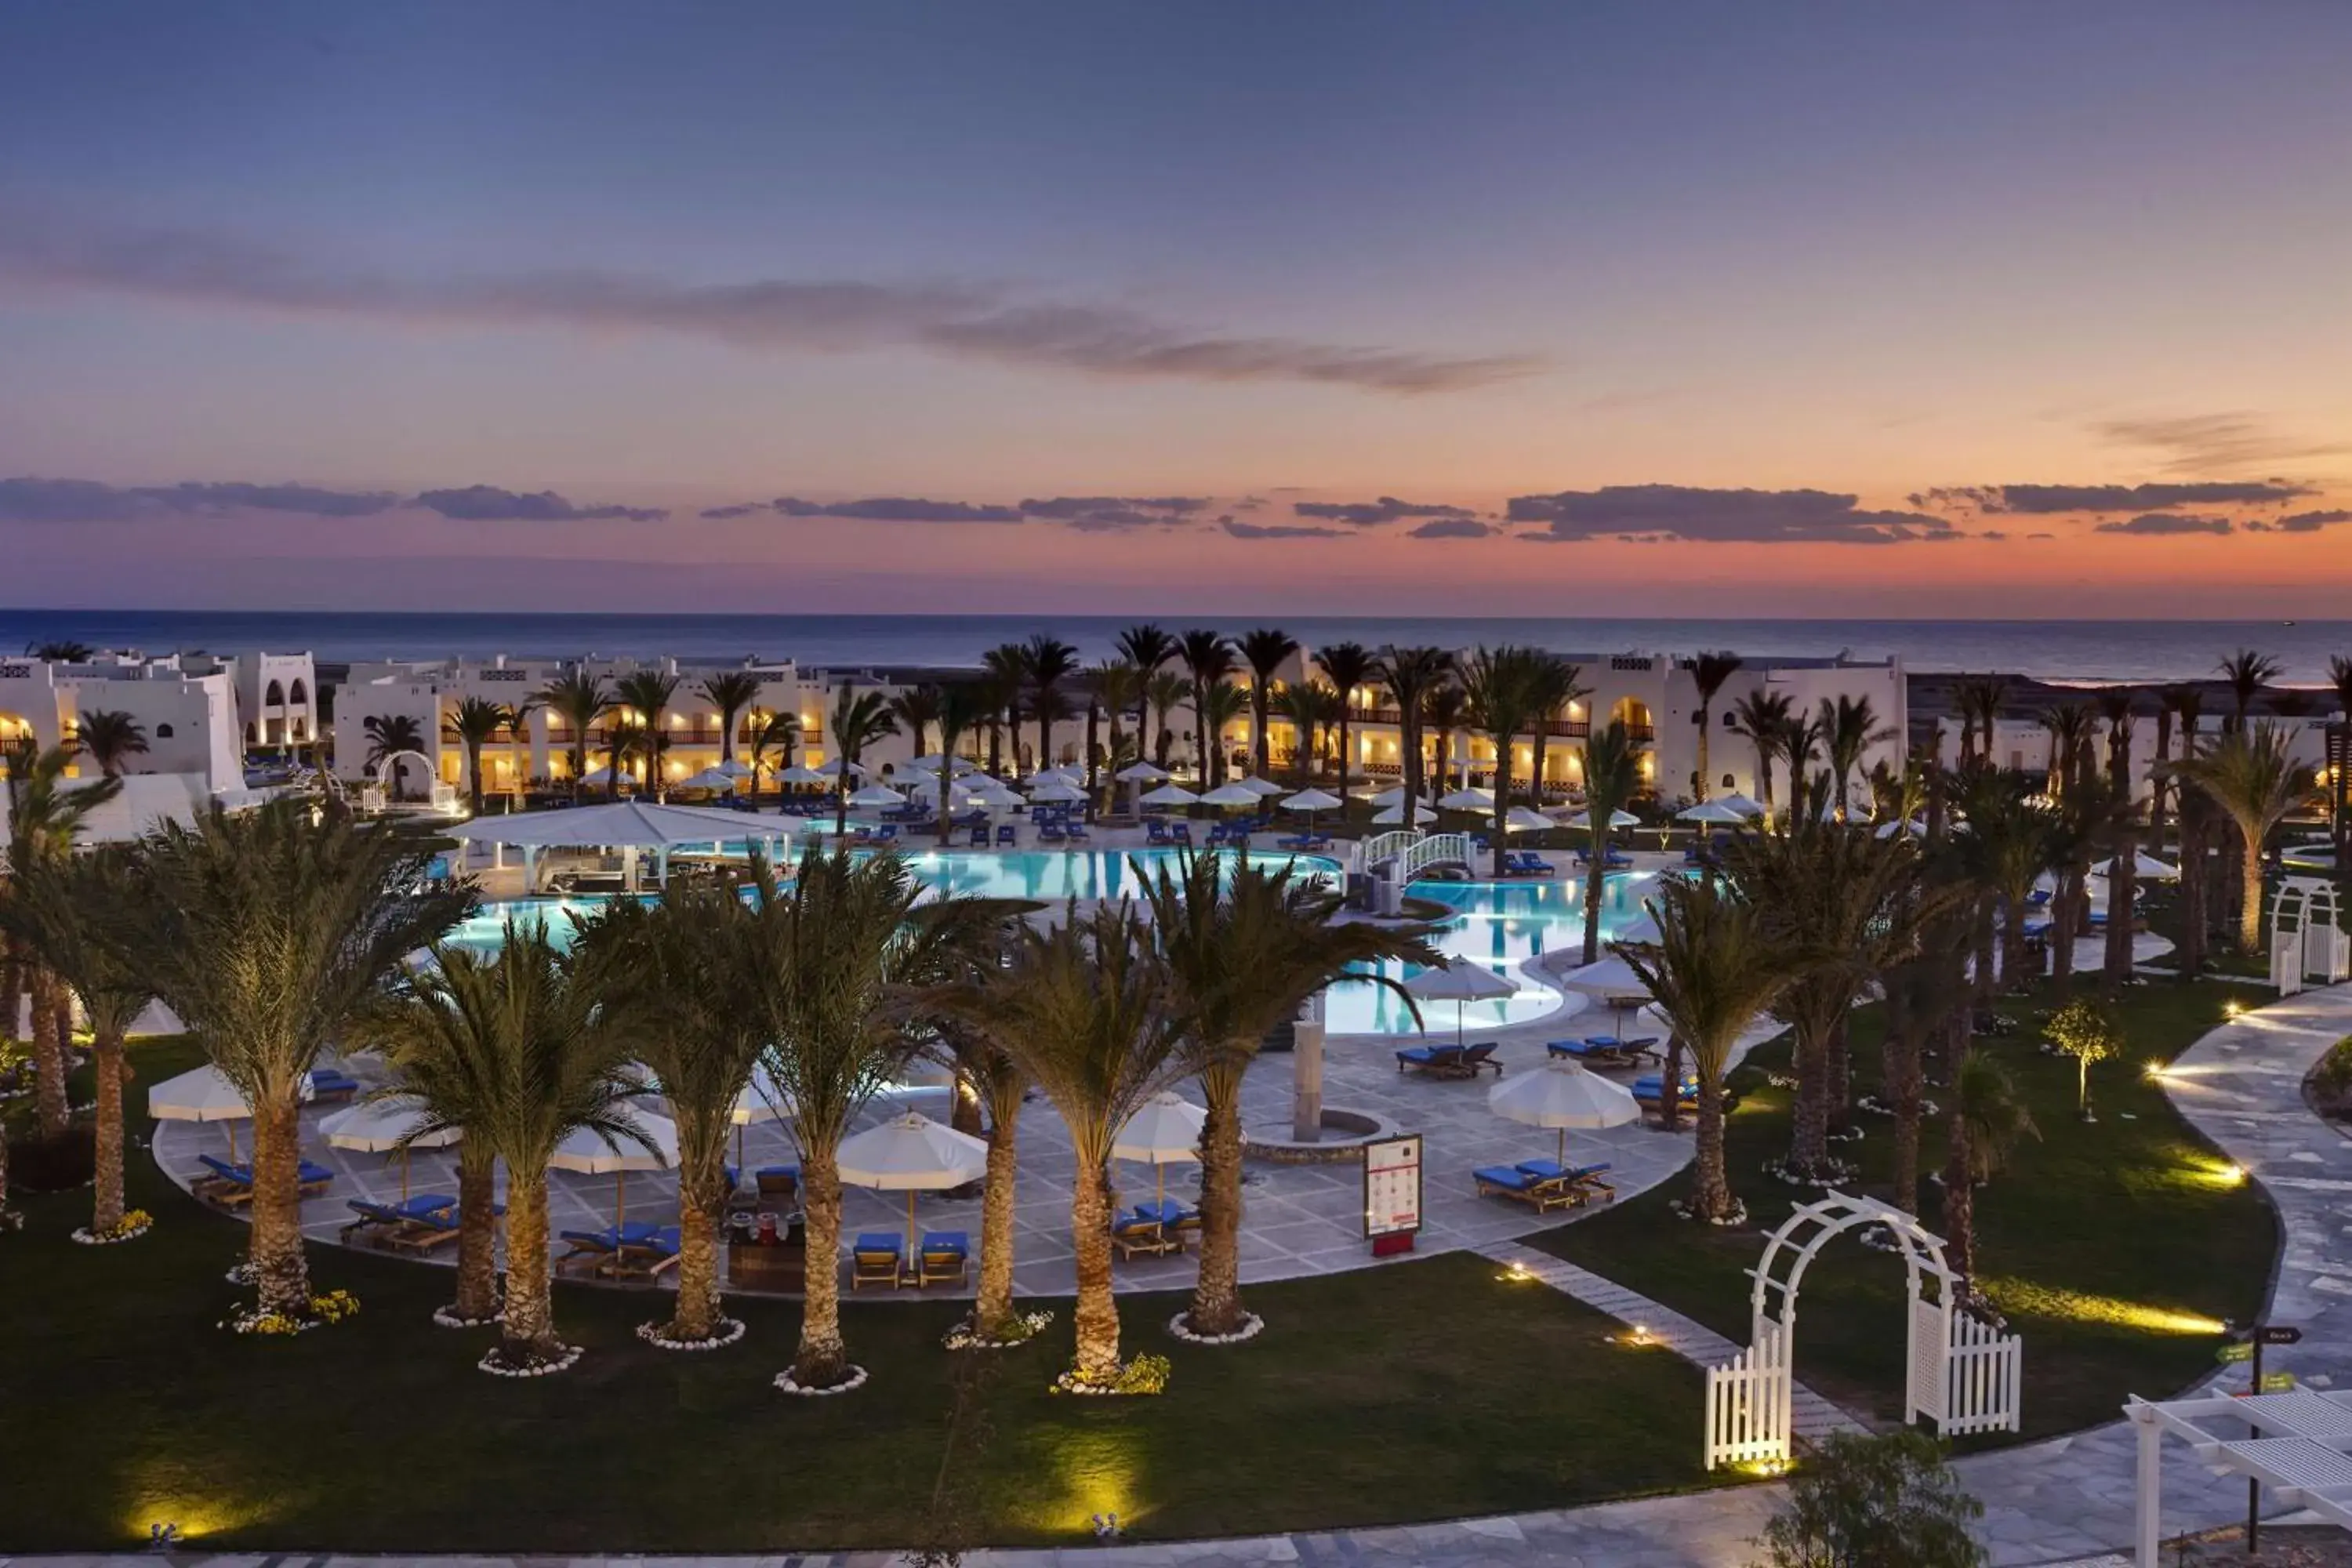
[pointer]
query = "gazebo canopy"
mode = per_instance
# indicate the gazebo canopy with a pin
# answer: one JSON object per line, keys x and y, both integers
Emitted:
{"x": 623, "y": 825}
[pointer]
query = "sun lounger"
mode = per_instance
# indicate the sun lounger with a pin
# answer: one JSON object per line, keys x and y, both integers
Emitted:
{"x": 1601, "y": 1051}
{"x": 1443, "y": 1060}
{"x": 877, "y": 1258}
{"x": 424, "y": 1232}
{"x": 1171, "y": 1216}
{"x": 1076, "y": 833}
{"x": 1539, "y": 1193}
{"x": 1050, "y": 833}
{"x": 1155, "y": 831}
{"x": 1005, "y": 837}
{"x": 599, "y": 1246}
{"x": 1180, "y": 833}
{"x": 944, "y": 1259}
{"x": 328, "y": 1087}
{"x": 1649, "y": 1091}
{"x": 781, "y": 1182}
{"x": 1586, "y": 1178}
{"x": 644, "y": 1258}
{"x": 1138, "y": 1237}
{"x": 1615, "y": 862}
{"x": 393, "y": 1215}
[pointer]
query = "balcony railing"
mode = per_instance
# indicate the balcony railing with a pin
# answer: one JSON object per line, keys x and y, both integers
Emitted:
{"x": 1553, "y": 729}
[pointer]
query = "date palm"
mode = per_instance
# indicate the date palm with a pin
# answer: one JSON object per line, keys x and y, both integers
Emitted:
{"x": 515, "y": 719}
{"x": 1714, "y": 969}
{"x": 859, "y": 719}
{"x": 1089, "y": 1011}
{"x": 1148, "y": 648}
{"x": 2071, "y": 727}
{"x": 1923, "y": 993}
{"x": 1045, "y": 663}
{"x": 1242, "y": 952}
{"x": 1554, "y": 683}
{"x": 778, "y": 733}
{"x": 1850, "y": 726}
{"x": 266, "y": 934}
{"x": 478, "y": 722}
{"x": 512, "y": 1050}
{"x": 1312, "y": 708}
{"x": 669, "y": 975}
{"x": 1209, "y": 658}
{"x": 1223, "y": 705}
{"x": 1800, "y": 743}
{"x": 835, "y": 955}
{"x": 2247, "y": 674}
{"x": 730, "y": 691}
{"x": 2172, "y": 705}
{"x": 1612, "y": 774}
{"x": 1349, "y": 667}
{"x": 44, "y": 811}
{"x": 579, "y": 699}
{"x": 56, "y": 910}
{"x": 1709, "y": 671}
{"x": 960, "y": 713}
{"x": 110, "y": 739}
{"x": 1411, "y": 674}
{"x": 388, "y": 735}
{"x": 1501, "y": 686}
{"x": 917, "y": 709}
{"x": 1443, "y": 709}
{"x": 1003, "y": 673}
{"x": 1979, "y": 700}
{"x": 2254, "y": 781}
{"x": 61, "y": 650}
{"x": 2013, "y": 837}
{"x": 1165, "y": 692}
{"x": 1263, "y": 649}
{"x": 648, "y": 693}
{"x": 1764, "y": 718}
{"x": 1118, "y": 687}
{"x": 1987, "y": 1118}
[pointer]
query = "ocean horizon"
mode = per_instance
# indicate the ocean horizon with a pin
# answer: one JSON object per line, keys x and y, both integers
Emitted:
{"x": 2089, "y": 650}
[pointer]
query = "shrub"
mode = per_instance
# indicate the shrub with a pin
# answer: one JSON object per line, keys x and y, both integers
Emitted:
{"x": 2332, "y": 1079}
{"x": 1872, "y": 1501}
{"x": 55, "y": 1164}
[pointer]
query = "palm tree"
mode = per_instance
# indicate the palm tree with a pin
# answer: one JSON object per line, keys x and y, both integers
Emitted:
{"x": 859, "y": 719}
{"x": 1348, "y": 667}
{"x": 264, "y": 933}
{"x": 2339, "y": 679}
{"x": 579, "y": 699}
{"x": 44, "y": 809}
{"x": 1046, "y": 662}
{"x": 1147, "y": 647}
{"x": 834, "y": 953}
{"x": 1005, "y": 671}
{"x": 625, "y": 738}
{"x": 1709, "y": 673}
{"x": 1501, "y": 687}
{"x": 778, "y": 733}
{"x": 1118, "y": 687}
{"x": 1088, "y": 1010}
{"x": 2250, "y": 775}
{"x": 2172, "y": 704}
{"x": 2012, "y": 840}
{"x": 648, "y": 693}
{"x": 1411, "y": 674}
{"x": 1923, "y": 992}
{"x": 388, "y": 735}
{"x": 1979, "y": 700}
{"x": 960, "y": 713}
{"x": 56, "y": 910}
{"x": 1263, "y": 650}
{"x": 1554, "y": 683}
{"x": 513, "y": 1050}
{"x": 670, "y": 977}
{"x": 730, "y": 691}
{"x": 1443, "y": 709}
{"x": 1800, "y": 743}
{"x": 1242, "y": 957}
{"x": 1224, "y": 704}
{"x": 478, "y": 722}
{"x": 1312, "y": 709}
{"x": 1764, "y": 718}
{"x": 515, "y": 718}
{"x": 1164, "y": 692}
{"x": 1986, "y": 1117}
{"x": 1714, "y": 969}
{"x": 61, "y": 650}
{"x": 2246, "y": 673}
{"x": 1209, "y": 658}
{"x": 1850, "y": 726}
{"x": 1612, "y": 774}
{"x": 917, "y": 709}
{"x": 110, "y": 739}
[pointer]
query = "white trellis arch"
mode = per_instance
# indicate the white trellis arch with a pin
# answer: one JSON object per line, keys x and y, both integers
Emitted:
{"x": 1960, "y": 1372}
{"x": 2307, "y": 937}
{"x": 377, "y": 796}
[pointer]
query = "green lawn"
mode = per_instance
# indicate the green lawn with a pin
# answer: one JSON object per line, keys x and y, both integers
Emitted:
{"x": 2114, "y": 1247}
{"x": 1417, "y": 1392}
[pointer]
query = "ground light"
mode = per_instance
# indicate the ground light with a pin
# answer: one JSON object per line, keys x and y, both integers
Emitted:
{"x": 2046, "y": 1301}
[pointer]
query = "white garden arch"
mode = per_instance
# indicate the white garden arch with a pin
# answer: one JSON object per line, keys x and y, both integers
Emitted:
{"x": 378, "y": 796}
{"x": 2308, "y": 937}
{"x": 1961, "y": 1373}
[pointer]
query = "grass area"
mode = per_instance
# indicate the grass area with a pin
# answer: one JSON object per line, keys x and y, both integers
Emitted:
{"x": 1417, "y": 1392}
{"x": 2115, "y": 1247}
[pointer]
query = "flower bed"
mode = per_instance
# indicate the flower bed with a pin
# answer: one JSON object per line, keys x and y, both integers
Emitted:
{"x": 135, "y": 1224}
{"x": 326, "y": 1310}
{"x": 1252, "y": 1326}
{"x": 729, "y": 1331}
{"x": 449, "y": 1318}
{"x": 1144, "y": 1374}
{"x": 785, "y": 1384}
{"x": 496, "y": 1363}
{"x": 1026, "y": 1326}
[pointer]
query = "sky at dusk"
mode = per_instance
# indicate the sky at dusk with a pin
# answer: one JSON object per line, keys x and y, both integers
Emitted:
{"x": 1645, "y": 308}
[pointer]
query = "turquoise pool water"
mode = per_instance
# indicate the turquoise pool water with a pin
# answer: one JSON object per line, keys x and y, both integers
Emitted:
{"x": 1498, "y": 924}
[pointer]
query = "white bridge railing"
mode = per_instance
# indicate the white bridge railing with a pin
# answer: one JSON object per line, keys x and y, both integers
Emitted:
{"x": 1414, "y": 852}
{"x": 1386, "y": 845}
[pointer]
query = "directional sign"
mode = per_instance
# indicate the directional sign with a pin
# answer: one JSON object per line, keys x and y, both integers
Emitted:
{"x": 2277, "y": 1382}
{"x": 2279, "y": 1334}
{"x": 2232, "y": 1354}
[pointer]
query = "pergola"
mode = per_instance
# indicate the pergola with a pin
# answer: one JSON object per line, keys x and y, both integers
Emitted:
{"x": 2304, "y": 1455}
{"x": 630, "y": 826}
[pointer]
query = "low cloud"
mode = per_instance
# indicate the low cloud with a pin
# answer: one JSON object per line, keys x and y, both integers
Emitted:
{"x": 2199, "y": 443}
{"x": 1116, "y": 514}
{"x": 898, "y": 509}
{"x": 31, "y": 499}
{"x": 1452, "y": 528}
{"x": 1280, "y": 531}
{"x": 2159, "y": 524}
{"x": 957, "y": 319}
{"x": 1658, "y": 514}
{"x": 723, "y": 513}
{"x": 489, "y": 503}
{"x": 1367, "y": 514}
{"x": 2040, "y": 500}
{"x": 2299, "y": 522}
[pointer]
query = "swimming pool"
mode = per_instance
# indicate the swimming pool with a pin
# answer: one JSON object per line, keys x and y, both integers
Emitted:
{"x": 1498, "y": 924}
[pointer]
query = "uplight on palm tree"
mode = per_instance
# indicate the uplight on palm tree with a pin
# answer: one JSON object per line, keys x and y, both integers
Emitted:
{"x": 1763, "y": 716}
{"x": 110, "y": 739}
{"x": 730, "y": 691}
{"x": 579, "y": 699}
{"x": 44, "y": 811}
{"x": 1263, "y": 649}
{"x": 2250, "y": 775}
{"x": 1411, "y": 674}
{"x": 1612, "y": 776}
{"x": 1348, "y": 667}
{"x": 1209, "y": 658}
{"x": 478, "y": 722}
{"x": 648, "y": 693}
{"x": 1709, "y": 671}
{"x": 859, "y": 719}
{"x": 1502, "y": 687}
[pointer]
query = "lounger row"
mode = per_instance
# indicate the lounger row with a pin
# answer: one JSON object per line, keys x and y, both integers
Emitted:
{"x": 1154, "y": 1229}
{"x": 230, "y": 1185}
{"x": 1605, "y": 1051}
{"x": 1450, "y": 1062}
{"x": 879, "y": 1257}
{"x": 1544, "y": 1184}
{"x": 640, "y": 1249}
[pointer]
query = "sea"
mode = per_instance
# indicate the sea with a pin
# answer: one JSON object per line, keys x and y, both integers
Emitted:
{"x": 2087, "y": 650}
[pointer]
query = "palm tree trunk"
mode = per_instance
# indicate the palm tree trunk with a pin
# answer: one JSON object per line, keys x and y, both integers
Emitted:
{"x": 840, "y": 797}
{"x": 51, "y": 1109}
{"x": 1258, "y": 720}
{"x": 1670, "y": 1106}
{"x": 1345, "y": 756}
{"x": 1959, "y": 1192}
{"x": 474, "y": 777}
{"x": 277, "y": 1240}
{"x": 12, "y": 988}
{"x": 1710, "y": 1188}
{"x": 2193, "y": 872}
{"x": 1501, "y": 846}
{"x": 697, "y": 1268}
{"x": 992, "y": 1312}
{"x": 1706, "y": 723}
{"x": 2121, "y": 874}
{"x": 107, "y": 1209}
{"x": 1900, "y": 1057}
{"x": 1536, "y": 765}
{"x": 2062, "y": 906}
{"x": 1216, "y": 1296}
{"x": 1837, "y": 1077}
{"x": 822, "y": 1360}
{"x": 2010, "y": 915}
{"x": 1594, "y": 879}
{"x": 478, "y": 1234}
{"x": 2250, "y": 889}
{"x": 1809, "y": 1122}
{"x": 1764, "y": 776}
{"x": 1095, "y": 1315}
{"x": 529, "y": 1333}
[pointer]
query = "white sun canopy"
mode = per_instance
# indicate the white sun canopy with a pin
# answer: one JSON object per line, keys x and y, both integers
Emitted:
{"x": 626, "y": 824}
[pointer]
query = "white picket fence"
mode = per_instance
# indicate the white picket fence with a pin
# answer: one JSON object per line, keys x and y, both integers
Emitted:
{"x": 1749, "y": 1407}
{"x": 1980, "y": 1379}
